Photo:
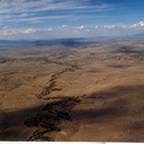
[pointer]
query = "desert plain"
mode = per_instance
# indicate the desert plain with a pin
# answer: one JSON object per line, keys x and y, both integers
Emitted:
{"x": 93, "y": 92}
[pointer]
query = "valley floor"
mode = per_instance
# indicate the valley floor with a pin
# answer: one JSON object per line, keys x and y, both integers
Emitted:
{"x": 93, "y": 93}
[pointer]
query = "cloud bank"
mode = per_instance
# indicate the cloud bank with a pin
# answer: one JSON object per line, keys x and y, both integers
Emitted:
{"x": 63, "y": 18}
{"x": 74, "y": 31}
{"x": 17, "y": 11}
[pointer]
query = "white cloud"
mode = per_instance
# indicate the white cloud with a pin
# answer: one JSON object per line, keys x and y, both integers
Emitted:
{"x": 29, "y": 30}
{"x": 110, "y": 26}
{"x": 50, "y": 29}
{"x": 121, "y": 26}
{"x": 27, "y": 10}
{"x": 138, "y": 25}
{"x": 64, "y": 26}
{"x": 82, "y": 27}
{"x": 74, "y": 31}
{"x": 11, "y": 6}
{"x": 7, "y": 32}
{"x": 35, "y": 19}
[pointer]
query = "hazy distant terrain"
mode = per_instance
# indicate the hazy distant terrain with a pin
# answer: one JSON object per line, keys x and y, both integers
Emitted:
{"x": 72, "y": 91}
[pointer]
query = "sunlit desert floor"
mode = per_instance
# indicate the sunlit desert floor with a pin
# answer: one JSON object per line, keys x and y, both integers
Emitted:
{"x": 92, "y": 93}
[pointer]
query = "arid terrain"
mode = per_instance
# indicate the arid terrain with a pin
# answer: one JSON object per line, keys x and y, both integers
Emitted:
{"x": 57, "y": 93}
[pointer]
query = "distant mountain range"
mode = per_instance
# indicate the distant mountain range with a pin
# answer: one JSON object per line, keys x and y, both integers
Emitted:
{"x": 69, "y": 42}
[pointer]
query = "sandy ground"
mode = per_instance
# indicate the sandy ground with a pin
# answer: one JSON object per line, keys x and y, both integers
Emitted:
{"x": 93, "y": 93}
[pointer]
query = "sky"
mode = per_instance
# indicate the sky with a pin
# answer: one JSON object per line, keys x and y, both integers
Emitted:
{"x": 48, "y": 19}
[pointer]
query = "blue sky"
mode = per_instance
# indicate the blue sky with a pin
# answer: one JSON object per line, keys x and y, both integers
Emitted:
{"x": 45, "y": 19}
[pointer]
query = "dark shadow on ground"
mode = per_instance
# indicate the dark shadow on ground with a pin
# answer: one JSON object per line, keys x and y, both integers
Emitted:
{"x": 115, "y": 104}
